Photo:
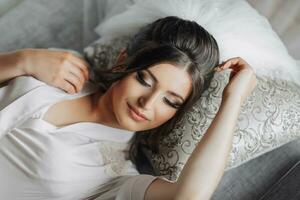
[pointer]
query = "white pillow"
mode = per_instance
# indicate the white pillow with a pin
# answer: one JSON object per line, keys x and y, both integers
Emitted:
{"x": 269, "y": 118}
{"x": 238, "y": 28}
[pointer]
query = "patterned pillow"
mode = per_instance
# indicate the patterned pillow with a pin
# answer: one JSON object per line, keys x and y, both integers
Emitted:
{"x": 269, "y": 118}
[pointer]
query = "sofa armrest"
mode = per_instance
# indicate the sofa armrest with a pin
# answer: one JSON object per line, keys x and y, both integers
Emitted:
{"x": 287, "y": 187}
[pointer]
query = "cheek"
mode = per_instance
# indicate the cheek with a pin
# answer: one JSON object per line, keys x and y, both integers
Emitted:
{"x": 162, "y": 115}
{"x": 125, "y": 88}
{"x": 128, "y": 89}
{"x": 121, "y": 92}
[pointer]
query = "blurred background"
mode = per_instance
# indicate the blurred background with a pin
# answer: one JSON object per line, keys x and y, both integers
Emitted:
{"x": 284, "y": 16}
{"x": 34, "y": 23}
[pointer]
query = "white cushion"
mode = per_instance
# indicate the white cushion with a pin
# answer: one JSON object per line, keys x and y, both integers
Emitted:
{"x": 238, "y": 28}
{"x": 269, "y": 118}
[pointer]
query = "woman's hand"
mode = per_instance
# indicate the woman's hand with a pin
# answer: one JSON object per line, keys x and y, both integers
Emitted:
{"x": 242, "y": 78}
{"x": 57, "y": 68}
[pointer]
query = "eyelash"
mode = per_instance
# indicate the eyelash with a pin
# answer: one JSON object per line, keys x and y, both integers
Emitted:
{"x": 171, "y": 104}
{"x": 139, "y": 77}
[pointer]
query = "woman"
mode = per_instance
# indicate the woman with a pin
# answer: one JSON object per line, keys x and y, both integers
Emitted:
{"x": 159, "y": 76}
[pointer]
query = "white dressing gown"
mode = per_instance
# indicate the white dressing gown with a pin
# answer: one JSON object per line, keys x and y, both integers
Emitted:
{"x": 39, "y": 161}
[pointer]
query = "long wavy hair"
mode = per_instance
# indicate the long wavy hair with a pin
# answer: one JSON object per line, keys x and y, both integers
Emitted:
{"x": 174, "y": 40}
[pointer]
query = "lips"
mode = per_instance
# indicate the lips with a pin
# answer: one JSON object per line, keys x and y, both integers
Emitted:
{"x": 137, "y": 115}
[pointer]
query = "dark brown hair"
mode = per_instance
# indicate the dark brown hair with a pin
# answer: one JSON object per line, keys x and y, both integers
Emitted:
{"x": 174, "y": 40}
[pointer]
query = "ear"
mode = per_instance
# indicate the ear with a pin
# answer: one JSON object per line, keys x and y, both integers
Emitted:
{"x": 120, "y": 59}
{"x": 122, "y": 56}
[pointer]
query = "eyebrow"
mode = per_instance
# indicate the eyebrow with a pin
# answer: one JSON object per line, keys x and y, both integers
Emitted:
{"x": 156, "y": 81}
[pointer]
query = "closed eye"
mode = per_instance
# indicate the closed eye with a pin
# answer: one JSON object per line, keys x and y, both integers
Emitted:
{"x": 174, "y": 105}
{"x": 140, "y": 78}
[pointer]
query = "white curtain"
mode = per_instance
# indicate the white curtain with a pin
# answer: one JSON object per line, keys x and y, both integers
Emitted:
{"x": 284, "y": 16}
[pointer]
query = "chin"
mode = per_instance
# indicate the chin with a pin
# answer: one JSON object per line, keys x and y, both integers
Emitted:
{"x": 128, "y": 124}
{"x": 124, "y": 120}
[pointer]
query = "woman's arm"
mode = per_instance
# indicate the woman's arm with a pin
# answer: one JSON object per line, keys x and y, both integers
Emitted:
{"x": 57, "y": 68}
{"x": 205, "y": 167}
{"x": 9, "y": 66}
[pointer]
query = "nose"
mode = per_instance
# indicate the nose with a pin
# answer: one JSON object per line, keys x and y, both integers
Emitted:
{"x": 147, "y": 101}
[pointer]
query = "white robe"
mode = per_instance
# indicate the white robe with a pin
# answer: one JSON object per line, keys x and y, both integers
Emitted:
{"x": 41, "y": 161}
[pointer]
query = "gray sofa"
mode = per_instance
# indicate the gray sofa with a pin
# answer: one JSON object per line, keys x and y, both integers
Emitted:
{"x": 271, "y": 176}
{"x": 70, "y": 23}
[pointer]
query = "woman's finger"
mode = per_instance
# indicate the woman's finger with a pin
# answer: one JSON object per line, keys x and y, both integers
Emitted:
{"x": 232, "y": 74}
{"x": 77, "y": 72}
{"x": 82, "y": 64}
{"x": 230, "y": 63}
{"x": 67, "y": 86}
{"x": 74, "y": 81}
{"x": 233, "y": 63}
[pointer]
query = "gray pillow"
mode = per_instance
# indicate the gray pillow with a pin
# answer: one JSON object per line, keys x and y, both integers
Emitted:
{"x": 269, "y": 118}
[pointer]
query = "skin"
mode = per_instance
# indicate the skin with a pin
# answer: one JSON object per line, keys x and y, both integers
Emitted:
{"x": 204, "y": 168}
{"x": 149, "y": 100}
{"x": 111, "y": 108}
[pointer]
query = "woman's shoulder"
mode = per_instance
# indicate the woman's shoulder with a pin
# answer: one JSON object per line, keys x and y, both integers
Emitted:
{"x": 25, "y": 79}
{"x": 17, "y": 87}
{"x": 22, "y": 84}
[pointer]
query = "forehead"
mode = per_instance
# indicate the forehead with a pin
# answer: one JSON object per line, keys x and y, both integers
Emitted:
{"x": 172, "y": 78}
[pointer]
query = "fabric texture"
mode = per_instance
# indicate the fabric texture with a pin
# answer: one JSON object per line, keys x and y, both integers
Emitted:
{"x": 288, "y": 185}
{"x": 284, "y": 16}
{"x": 269, "y": 118}
{"x": 42, "y": 161}
{"x": 42, "y": 24}
{"x": 253, "y": 180}
{"x": 239, "y": 29}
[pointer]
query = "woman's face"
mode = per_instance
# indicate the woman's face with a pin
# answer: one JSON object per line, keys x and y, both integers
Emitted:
{"x": 155, "y": 92}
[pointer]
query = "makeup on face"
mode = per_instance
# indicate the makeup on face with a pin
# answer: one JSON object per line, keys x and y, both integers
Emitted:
{"x": 135, "y": 114}
{"x": 141, "y": 78}
{"x": 149, "y": 97}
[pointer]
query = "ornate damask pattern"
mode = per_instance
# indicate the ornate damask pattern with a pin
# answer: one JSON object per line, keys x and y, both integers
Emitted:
{"x": 269, "y": 118}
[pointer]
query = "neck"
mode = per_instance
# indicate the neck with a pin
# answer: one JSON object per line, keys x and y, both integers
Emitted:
{"x": 102, "y": 110}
